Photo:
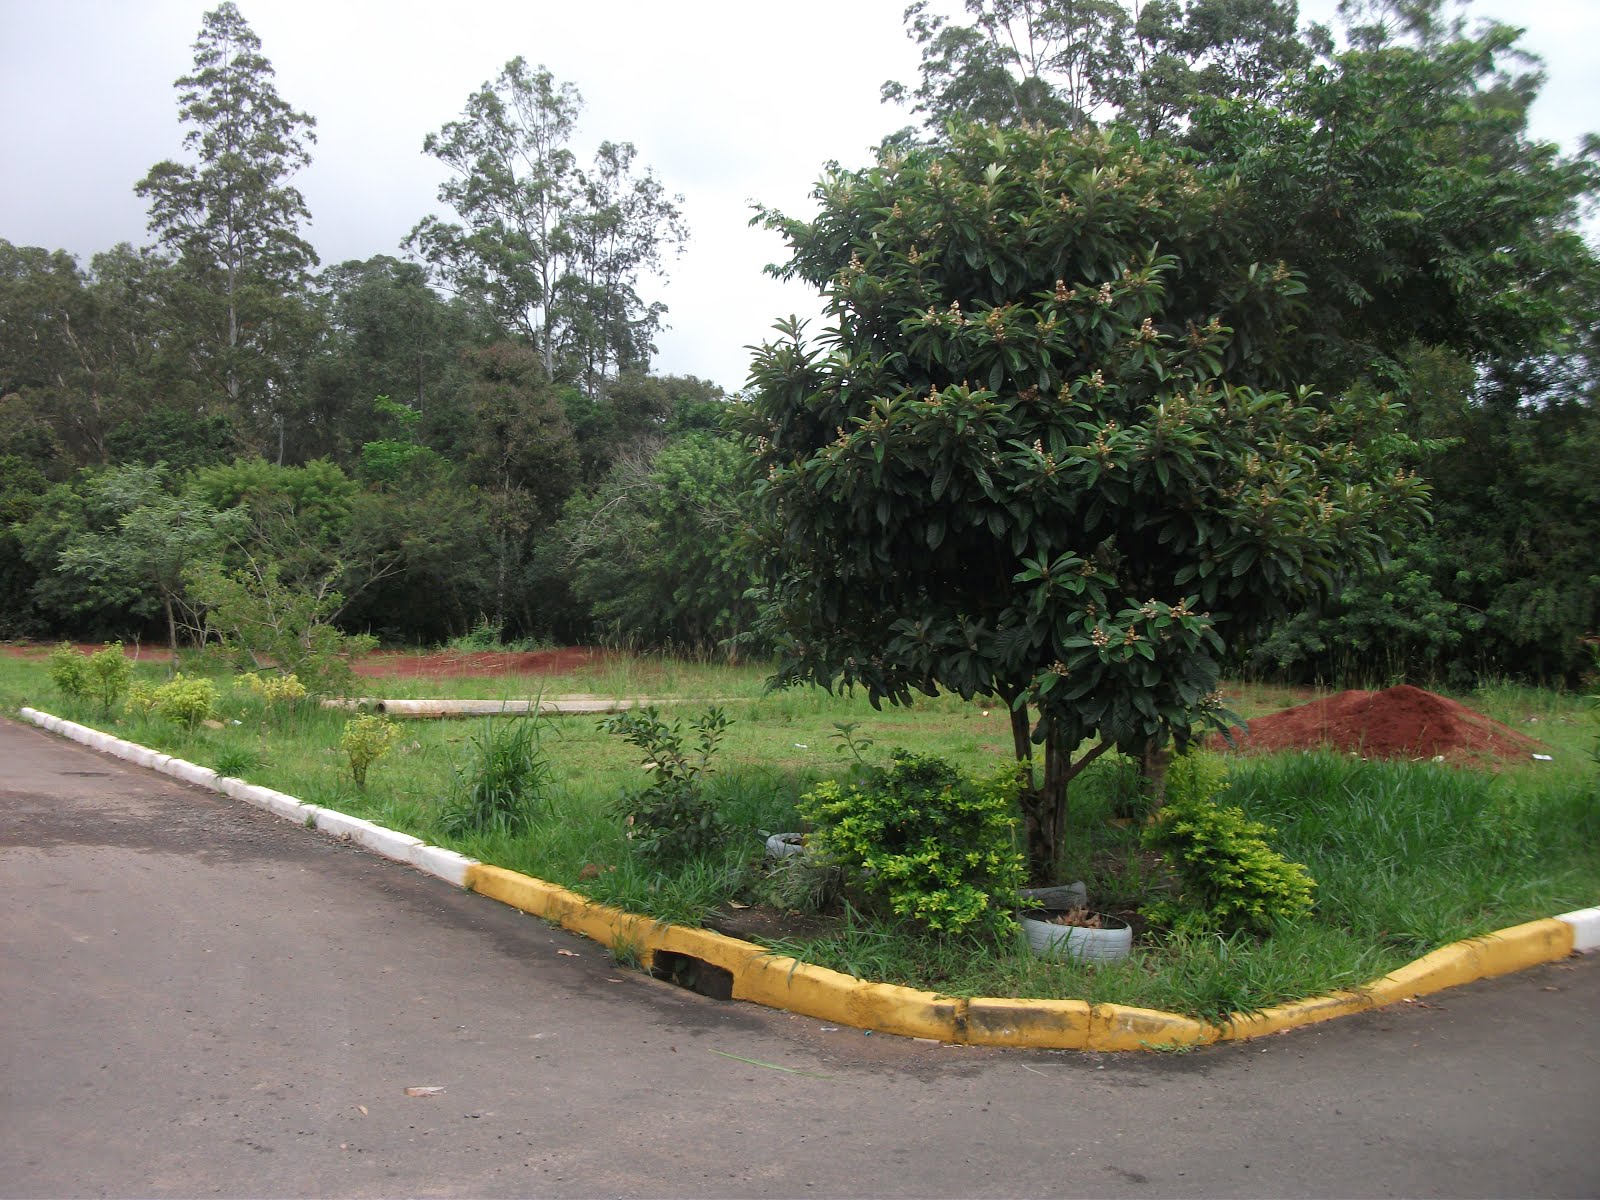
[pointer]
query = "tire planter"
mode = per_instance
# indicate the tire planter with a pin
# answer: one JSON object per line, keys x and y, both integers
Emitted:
{"x": 785, "y": 845}
{"x": 1049, "y": 940}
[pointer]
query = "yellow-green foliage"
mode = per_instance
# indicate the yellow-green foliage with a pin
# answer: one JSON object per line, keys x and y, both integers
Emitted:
{"x": 366, "y": 739}
{"x": 1228, "y": 871}
{"x": 141, "y": 698}
{"x": 185, "y": 701}
{"x": 937, "y": 845}
{"x": 69, "y": 671}
{"x": 101, "y": 677}
{"x": 273, "y": 689}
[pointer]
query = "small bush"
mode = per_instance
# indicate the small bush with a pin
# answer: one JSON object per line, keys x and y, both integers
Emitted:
{"x": 272, "y": 689}
{"x": 185, "y": 701}
{"x": 937, "y": 845}
{"x": 109, "y": 673}
{"x": 69, "y": 671}
{"x": 141, "y": 699}
{"x": 258, "y": 617}
{"x": 1228, "y": 871}
{"x": 498, "y": 791}
{"x": 366, "y": 739}
{"x": 101, "y": 677}
{"x": 671, "y": 817}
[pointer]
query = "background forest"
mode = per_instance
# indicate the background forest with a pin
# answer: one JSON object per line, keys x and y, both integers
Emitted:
{"x": 464, "y": 438}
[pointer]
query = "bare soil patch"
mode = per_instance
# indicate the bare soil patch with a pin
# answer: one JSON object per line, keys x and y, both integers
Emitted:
{"x": 402, "y": 664}
{"x": 451, "y": 664}
{"x": 1400, "y": 722}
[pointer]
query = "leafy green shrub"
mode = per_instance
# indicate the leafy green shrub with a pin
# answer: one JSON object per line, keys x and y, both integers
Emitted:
{"x": 272, "y": 689}
{"x": 102, "y": 677}
{"x": 366, "y": 739}
{"x": 109, "y": 673}
{"x": 259, "y": 617}
{"x": 672, "y": 816}
{"x": 184, "y": 701}
{"x": 937, "y": 845}
{"x": 141, "y": 698}
{"x": 499, "y": 789}
{"x": 1228, "y": 871}
{"x": 69, "y": 671}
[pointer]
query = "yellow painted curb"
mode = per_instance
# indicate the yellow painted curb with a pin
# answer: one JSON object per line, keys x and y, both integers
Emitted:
{"x": 1119, "y": 1027}
{"x": 1494, "y": 954}
{"x": 765, "y": 978}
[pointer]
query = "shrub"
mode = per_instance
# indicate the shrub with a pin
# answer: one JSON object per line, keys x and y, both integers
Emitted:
{"x": 257, "y": 616}
{"x": 69, "y": 671}
{"x": 184, "y": 701}
{"x": 672, "y": 816}
{"x": 272, "y": 689}
{"x": 499, "y": 789}
{"x": 366, "y": 739}
{"x": 938, "y": 846}
{"x": 109, "y": 673}
{"x": 1228, "y": 871}
{"x": 141, "y": 698}
{"x": 102, "y": 677}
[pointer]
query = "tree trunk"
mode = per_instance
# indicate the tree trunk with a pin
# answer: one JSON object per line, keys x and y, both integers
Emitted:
{"x": 172, "y": 627}
{"x": 1153, "y": 764}
{"x": 1044, "y": 806}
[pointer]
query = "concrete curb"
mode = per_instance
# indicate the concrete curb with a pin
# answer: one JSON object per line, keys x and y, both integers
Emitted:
{"x": 762, "y": 977}
{"x": 400, "y": 847}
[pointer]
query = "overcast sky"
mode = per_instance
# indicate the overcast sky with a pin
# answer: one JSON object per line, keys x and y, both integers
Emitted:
{"x": 729, "y": 101}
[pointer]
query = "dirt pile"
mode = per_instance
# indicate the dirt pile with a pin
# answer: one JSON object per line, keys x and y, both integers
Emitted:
{"x": 1401, "y": 722}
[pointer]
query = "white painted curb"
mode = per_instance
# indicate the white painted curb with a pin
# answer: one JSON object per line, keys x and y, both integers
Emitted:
{"x": 192, "y": 773}
{"x": 445, "y": 864}
{"x": 1585, "y": 928}
{"x": 389, "y": 843}
{"x": 340, "y": 825}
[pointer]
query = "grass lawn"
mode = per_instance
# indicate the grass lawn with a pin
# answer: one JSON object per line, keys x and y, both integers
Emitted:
{"x": 1407, "y": 856}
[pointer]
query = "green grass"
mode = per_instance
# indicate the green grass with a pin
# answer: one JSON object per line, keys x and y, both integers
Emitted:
{"x": 1407, "y": 856}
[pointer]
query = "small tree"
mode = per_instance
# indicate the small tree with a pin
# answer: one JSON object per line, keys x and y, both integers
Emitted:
{"x": 259, "y": 619}
{"x": 157, "y": 539}
{"x": 1020, "y": 466}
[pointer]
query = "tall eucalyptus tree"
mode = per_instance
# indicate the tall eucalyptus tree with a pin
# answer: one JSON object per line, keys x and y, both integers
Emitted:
{"x": 235, "y": 221}
{"x": 554, "y": 251}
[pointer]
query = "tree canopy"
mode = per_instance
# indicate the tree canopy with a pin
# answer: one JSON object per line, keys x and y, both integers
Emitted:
{"x": 1028, "y": 458}
{"x": 234, "y": 220}
{"x": 555, "y": 252}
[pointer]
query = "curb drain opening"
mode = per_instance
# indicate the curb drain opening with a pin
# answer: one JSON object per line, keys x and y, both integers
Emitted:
{"x": 694, "y": 974}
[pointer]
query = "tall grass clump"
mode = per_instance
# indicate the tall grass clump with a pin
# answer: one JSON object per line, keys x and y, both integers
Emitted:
{"x": 499, "y": 788}
{"x": 1412, "y": 855}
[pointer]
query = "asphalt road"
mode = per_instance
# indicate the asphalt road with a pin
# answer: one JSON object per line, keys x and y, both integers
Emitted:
{"x": 198, "y": 999}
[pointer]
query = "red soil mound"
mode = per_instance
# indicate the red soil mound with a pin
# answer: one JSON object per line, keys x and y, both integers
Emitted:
{"x": 1402, "y": 722}
{"x": 450, "y": 664}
